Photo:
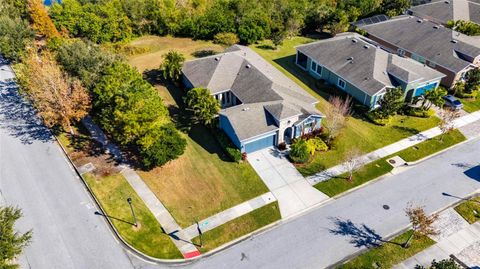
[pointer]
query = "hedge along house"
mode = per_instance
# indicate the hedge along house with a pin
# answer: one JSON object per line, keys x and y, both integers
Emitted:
{"x": 443, "y": 49}
{"x": 261, "y": 107}
{"x": 359, "y": 67}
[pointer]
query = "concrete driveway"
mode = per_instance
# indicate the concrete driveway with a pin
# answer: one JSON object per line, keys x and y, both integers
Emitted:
{"x": 292, "y": 191}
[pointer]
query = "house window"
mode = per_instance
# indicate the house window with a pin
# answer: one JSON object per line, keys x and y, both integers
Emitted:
{"x": 341, "y": 83}
{"x": 431, "y": 64}
{"x": 400, "y": 52}
{"x": 316, "y": 68}
{"x": 228, "y": 97}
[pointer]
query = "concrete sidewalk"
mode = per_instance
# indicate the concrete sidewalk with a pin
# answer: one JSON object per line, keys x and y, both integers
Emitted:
{"x": 162, "y": 215}
{"x": 229, "y": 214}
{"x": 464, "y": 244}
{"x": 293, "y": 193}
{"x": 392, "y": 148}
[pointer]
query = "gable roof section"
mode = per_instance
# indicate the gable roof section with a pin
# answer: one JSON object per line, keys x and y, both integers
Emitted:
{"x": 363, "y": 64}
{"x": 444, "y": 11}
{"x": 428, "y": 40}
{"x": 265, "y": 92}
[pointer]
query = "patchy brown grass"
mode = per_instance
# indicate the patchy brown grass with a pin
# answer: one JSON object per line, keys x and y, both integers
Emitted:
{"x": 156, "y": 46}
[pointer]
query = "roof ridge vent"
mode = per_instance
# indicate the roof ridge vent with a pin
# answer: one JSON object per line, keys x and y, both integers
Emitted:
{"x": 366, "y": 46}
{"x": 454, "y": 41}
{"x": 435, "y": 27}
{"x": 248, "y": 66}
{"x": 354, "y": 40}
{"x": 245, "y": 109}
{"x": 419, "y": 20}
{"x": 447, "y": 2}
{"x": 217, "y": 59}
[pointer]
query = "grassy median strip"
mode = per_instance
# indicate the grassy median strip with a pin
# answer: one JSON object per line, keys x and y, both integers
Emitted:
{"x": 112, "y": 192}
{"x": 431, "y": 146}
{"x": 466, "y": 210}
{"x": 366, "y": 173}
{"x": 389, "y": 253}
{"x": 380, "y": 167}
{"x": 471, "y": 105}
{"x": 239, "y": 227}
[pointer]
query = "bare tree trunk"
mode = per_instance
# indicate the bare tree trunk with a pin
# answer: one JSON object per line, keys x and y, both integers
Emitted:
{"x": 407, "y": 244}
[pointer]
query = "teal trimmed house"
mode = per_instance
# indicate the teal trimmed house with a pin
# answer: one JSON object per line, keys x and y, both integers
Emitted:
{"x": 359, "y": 67}
{"x": 261, "y": 107}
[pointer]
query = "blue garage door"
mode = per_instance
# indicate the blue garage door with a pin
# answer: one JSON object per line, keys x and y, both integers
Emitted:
{"x": 260, "y": 144}
{"x": 424, "y": 89}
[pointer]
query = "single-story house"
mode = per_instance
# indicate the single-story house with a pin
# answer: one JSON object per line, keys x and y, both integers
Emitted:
{"x": 359, "y": 67}
{"x": 450, "y": 10}
{"x": 261, "y": 107}
{"x": 443, "y": 49}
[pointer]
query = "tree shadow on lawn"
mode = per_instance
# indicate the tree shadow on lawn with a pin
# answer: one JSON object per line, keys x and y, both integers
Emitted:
{"x": 183, "y": 118}
{"x": 361, "y": 235}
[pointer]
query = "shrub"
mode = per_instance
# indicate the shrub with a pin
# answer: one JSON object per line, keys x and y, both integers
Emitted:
{"x": 419, "y": 112}
{"x": 299, "y": 152}
{"x": 160, "y": 145}
{"x": 227, "y": 39}
{"x": 318, "y": 144}
{"x": 377, "y": 119}
{"x": 230, "y": 149}
{"x": 282, "y": 146}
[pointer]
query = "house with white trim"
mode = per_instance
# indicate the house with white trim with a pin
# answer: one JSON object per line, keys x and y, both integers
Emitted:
{"x": 359, "y": 67}
{"x": 261, "y": 107}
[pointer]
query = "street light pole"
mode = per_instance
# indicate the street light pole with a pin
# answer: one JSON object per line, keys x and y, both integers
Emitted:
{"x": 129, "y": 200}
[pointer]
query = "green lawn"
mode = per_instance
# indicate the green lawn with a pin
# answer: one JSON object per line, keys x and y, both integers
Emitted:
{"x": 380, "y": 167}
{"x": 203, "y": 181}
{"x": 431, "y": 146}
{"x": 239, "y": 227}
{"x": 471, "y": 105}
{"x": 359, "y": 132}
{"x": 390, "y": 253}
{"x": 112, "y": 192}
{"x": 366, "y": 173}
{"x": 465, "y": 209}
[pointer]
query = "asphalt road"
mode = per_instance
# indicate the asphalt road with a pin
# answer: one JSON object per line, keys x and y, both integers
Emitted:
{"x": 35, "y": 176}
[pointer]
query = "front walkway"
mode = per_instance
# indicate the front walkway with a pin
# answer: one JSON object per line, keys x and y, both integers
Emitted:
{"x": 456, "y": 237}
{"x": 392, "y": 148}
{"x": 292, "y": 191}
{"x": 168, "y": 223}
{"x": 229, "y": 214}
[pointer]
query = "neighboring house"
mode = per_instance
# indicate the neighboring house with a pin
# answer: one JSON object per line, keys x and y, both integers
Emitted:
{"x": 359, "y": 67}
{"x": 443, "y": 11}
{"x": 261, "y": 107}
{"x": 441, "y": 48}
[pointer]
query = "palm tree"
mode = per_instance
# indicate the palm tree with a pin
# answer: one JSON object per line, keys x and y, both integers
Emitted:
{"x": 172, "y": 65}
{"x": 203, "y": 105}
{"x": 434, "y": 97}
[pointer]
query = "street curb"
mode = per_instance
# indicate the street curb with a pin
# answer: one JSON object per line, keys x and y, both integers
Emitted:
{"x": 402, "y": 230}
{"x": 110, "y": 225}
{"x": 443, "y": 150}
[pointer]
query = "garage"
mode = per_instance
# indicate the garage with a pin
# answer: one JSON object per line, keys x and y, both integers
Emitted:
{"x": 261, "y": 143}
{"x": 422, "y": 90}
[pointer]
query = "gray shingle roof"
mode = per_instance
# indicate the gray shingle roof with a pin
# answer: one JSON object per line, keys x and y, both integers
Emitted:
{"x": 444, "y": 11}
{"x": 264, "y": 91}
{"x": 427, "y": 40}
{"x": 250, "y": 120}
{"x": 363, "y": 64}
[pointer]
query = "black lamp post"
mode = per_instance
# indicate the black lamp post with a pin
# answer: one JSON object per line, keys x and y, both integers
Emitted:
{"x": 129, "y": 200}
{"x": 199, "y": 233}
